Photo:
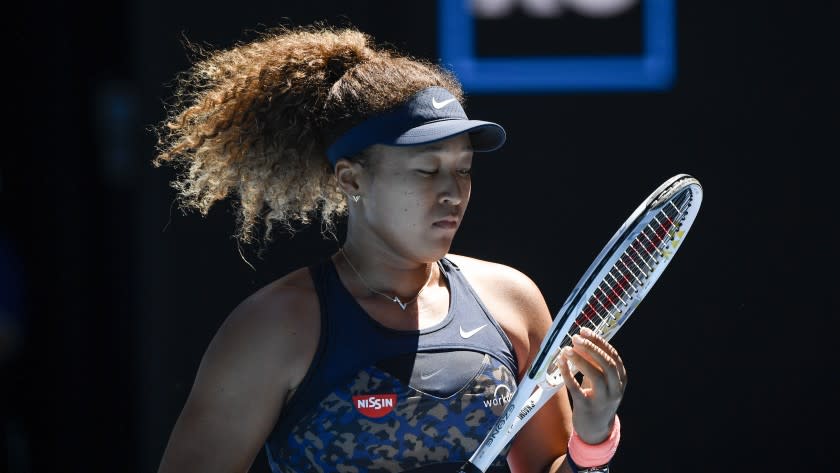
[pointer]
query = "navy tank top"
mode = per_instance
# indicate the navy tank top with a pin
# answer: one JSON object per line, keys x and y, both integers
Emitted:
{"x": 377, "y": 399}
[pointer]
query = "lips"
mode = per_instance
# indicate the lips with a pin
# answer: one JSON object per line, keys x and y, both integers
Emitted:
{"x": 447, "y": 223}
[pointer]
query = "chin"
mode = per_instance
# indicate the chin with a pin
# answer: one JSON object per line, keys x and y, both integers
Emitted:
{"x": 435, "y": 252}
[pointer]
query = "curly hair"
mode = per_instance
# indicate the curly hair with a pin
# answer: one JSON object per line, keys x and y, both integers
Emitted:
{"x": 255, "y": 121}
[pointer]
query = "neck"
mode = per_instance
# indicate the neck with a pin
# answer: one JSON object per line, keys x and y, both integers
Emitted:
{"x": 385, "y": 271}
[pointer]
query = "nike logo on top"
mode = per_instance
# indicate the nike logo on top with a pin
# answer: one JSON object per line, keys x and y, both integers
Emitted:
{"x": 440, "y": 105}
{"x": 471, "y": 332}
{"x": 427, "y": 376}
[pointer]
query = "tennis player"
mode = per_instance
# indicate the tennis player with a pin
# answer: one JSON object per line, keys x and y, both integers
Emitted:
{"x": 390, "y": 354}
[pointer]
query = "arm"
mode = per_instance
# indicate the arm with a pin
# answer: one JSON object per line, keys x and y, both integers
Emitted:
{"x": 541, "y": 444}
{"x": 258, "y": 354}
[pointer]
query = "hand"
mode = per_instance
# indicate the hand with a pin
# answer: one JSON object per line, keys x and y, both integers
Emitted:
{"x": 604, "y": 379}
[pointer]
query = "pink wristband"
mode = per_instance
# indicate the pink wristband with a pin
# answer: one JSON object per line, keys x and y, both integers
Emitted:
{"x": 586, "y": 455}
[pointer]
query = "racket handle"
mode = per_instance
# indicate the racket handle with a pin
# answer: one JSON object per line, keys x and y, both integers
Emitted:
{"x": 469, "y": 468}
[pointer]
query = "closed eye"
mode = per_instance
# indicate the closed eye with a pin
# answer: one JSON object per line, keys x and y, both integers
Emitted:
{"x": 462, "y": 172}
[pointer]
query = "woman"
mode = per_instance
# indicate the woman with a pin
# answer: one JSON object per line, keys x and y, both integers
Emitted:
{"x": 391, "y": 354}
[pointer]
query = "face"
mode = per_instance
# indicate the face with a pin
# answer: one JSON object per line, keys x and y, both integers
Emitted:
{"x": 414, "y": 198}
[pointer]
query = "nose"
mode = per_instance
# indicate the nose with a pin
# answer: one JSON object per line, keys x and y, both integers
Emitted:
{"x": 450, "y": 200}
{"x": 454, "y": 191}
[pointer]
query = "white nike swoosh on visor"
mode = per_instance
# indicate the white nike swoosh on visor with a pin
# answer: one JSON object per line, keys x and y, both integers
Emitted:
{"x": 471, "y": 332}
{"x": 439, "y": 105}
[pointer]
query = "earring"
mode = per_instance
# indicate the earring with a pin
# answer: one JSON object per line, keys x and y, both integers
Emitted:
{"x": 356, "y": 198}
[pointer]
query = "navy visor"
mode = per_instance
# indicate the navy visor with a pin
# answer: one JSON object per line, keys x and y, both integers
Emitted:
{"x": 430, "y": 115}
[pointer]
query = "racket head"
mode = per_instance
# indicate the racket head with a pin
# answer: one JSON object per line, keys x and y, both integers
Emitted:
{"x": 624, "y": 271}
{"x": 603, "y": 299}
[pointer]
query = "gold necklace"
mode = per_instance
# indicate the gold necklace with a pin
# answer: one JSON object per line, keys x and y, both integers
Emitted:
{"x": 395, "y": 299}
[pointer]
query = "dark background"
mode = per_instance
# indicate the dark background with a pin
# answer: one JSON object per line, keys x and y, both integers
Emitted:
{"x": 118, "y": 293}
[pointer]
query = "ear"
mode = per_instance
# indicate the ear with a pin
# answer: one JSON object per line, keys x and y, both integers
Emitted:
{"x": 349, "y": 174}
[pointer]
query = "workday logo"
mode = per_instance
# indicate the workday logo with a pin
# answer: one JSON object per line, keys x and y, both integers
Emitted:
{"x": 653, "y": 69}
{"x": 501, "y": 396}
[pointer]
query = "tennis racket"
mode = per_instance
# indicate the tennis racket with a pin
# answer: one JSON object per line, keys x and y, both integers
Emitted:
{"x": 603, "y": 299}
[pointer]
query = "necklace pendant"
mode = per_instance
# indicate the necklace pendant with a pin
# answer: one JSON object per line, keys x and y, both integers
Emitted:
{"x": 401, "y": 304}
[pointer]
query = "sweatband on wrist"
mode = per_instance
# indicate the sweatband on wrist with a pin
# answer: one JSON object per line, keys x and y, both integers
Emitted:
{"x": 587, "y": 455}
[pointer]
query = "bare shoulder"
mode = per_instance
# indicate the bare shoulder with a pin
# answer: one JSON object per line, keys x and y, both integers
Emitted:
{"x": 255, "y": 359}
{"x": 280, "y": 321}
{"x": 289, "y": 302}
{"x": 264, "y": 347}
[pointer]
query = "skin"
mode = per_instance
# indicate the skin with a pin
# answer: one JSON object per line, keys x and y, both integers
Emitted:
{"x": 393, "y": 242}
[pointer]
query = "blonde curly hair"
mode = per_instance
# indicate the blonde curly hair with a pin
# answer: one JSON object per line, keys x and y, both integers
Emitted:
{"x": 255, "y": 120}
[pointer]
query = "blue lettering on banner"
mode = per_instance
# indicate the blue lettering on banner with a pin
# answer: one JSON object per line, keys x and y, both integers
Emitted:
{"x": 654, "y": 69}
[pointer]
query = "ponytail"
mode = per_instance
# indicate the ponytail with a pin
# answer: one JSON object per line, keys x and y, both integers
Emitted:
{"x": 253, "y": 121}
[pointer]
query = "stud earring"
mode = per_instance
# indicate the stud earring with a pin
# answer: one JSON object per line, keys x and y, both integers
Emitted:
{"x": 356, "y": 198}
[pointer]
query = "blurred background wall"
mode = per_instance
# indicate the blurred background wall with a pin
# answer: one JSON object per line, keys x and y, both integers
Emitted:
{"x": 110, "y": 294}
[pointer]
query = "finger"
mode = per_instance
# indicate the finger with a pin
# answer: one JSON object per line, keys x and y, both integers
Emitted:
{"x": 607, "y": 364}
{"x": 568, "y": 377}
{"x": 599, "y": 341}
{"x": 589, "y": 368}
{"x": 622, "y": 372}
{"x": 609, "y": 349}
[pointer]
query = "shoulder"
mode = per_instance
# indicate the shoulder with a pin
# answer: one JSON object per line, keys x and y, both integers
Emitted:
{"x": 245, "y": 376}
{"x": 504, "y": 280}
{"x": 278, "y": 322}
{"x": 285, "y": 302}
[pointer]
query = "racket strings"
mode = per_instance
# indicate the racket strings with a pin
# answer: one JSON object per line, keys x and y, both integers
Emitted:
{"x": 631, "y": 270}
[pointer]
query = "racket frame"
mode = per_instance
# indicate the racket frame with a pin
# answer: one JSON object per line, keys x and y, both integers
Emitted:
{"x": 540, "y": 384}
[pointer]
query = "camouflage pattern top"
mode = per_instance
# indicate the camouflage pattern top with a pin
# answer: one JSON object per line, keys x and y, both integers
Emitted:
{"x": 382, "y": 400}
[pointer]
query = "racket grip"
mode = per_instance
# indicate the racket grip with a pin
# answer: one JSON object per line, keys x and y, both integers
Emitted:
{"x": 468, "y": 467}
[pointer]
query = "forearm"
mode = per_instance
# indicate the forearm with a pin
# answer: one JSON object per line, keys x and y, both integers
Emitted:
{"x": 559, "y": 465}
